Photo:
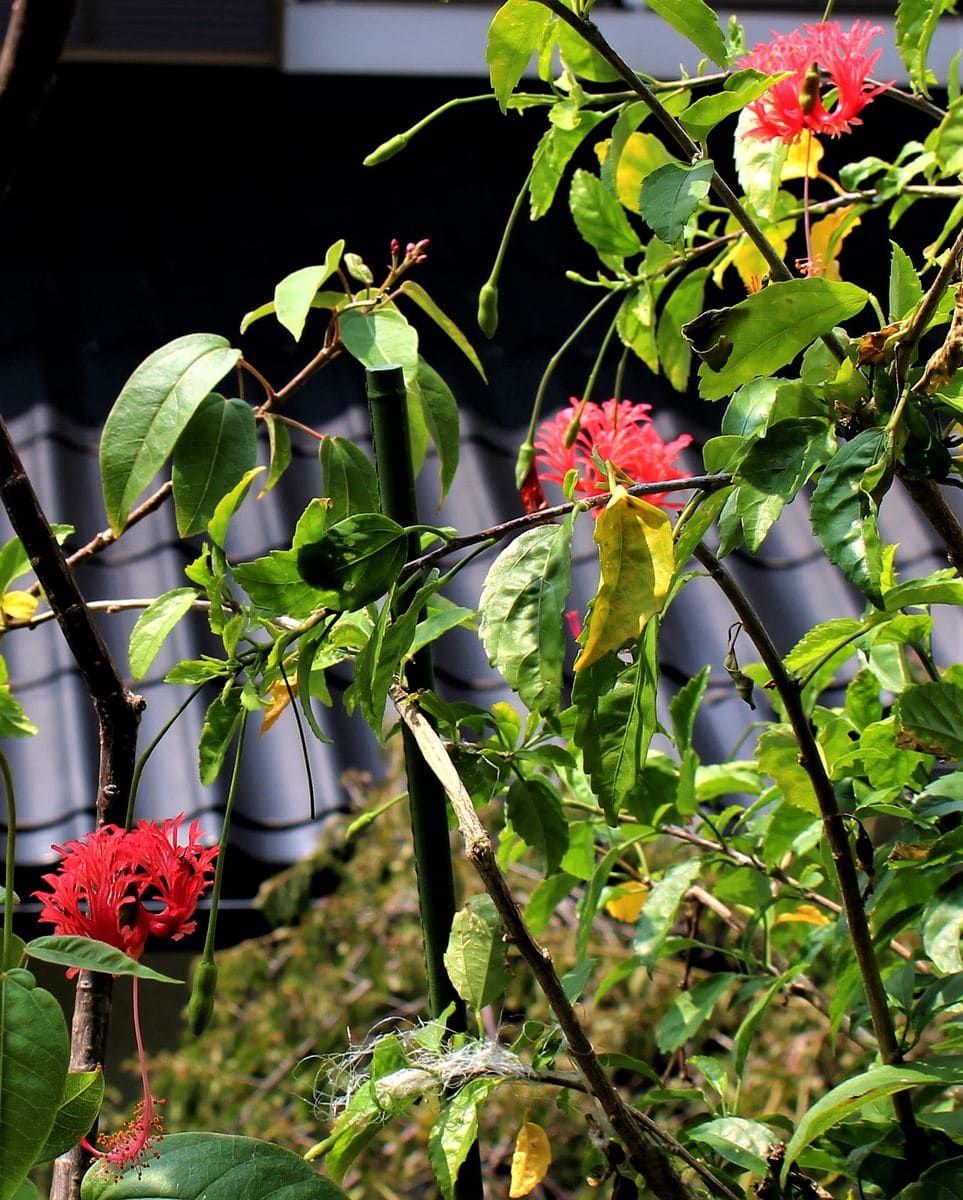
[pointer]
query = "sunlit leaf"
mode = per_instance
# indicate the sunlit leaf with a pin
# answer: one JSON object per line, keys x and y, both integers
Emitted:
{"x": 214, "y": 1166}
{"x": 475, "y": 957}
{"x": 764, "y": 332}
{"x": 152, "y": 411}
{"x": 154, "y": 626}
{"x": 294, "y": 294}
{"x": 637, "y": 561}
{"x": 530, "y": 1160}
{"x": 513, "y": 38}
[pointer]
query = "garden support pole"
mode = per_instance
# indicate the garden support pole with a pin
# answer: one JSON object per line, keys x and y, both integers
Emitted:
{"x": 387, "y": 401}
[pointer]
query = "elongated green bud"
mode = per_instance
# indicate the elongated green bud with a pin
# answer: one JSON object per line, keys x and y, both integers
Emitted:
{"x": 488, "y": 309}
{"x": 387, "y": 150}
{"x": 523, "y": 464}
{"x": 200, "y": 1007}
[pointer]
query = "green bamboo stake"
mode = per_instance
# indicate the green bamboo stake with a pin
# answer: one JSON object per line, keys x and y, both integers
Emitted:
{"x": 387, "y": 403}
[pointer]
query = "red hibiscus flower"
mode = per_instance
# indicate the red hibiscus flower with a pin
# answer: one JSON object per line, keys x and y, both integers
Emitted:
{"x": 100, "y": 888}
{"x": 621, "y": 433}
{"x": 795, "y": 103}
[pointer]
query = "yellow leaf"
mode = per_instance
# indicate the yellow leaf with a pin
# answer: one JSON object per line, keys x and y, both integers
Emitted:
{"x": 627, "y": 901}
{"x": 531, "y": 1160}
{"x": 748, "y": 260}
{"x": 808, "y": 914}
{"x": 281, "y": 697}
{"x": 637, "y": 559}
{"x": 18, "y": 606}
{"x": 641, "y": 155}
{"x": 826, "y": 239}
{"x": 804, "y": 156}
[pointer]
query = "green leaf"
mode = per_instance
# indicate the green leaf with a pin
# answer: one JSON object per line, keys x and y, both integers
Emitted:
{"x": 544, "y": 901}
{"x": 684, "y": 303}
{"x": 513, "y": 37}
{"x": 615, "y": 722}
{"x": 740, "y": 89}
{"x": 212, "y": 455}
{"x": 440, "y": 410}
{"x": 737, "y": 1140}
{"x": 381, "y": 338}
{"x": 599, "y": 217}
{"x": 536, "y": 815}
{"x": 671, "y": 194}
{"x": 522, "y": 602}
{"x": 293, "y": 295}
{"x": 350, "y": 481}
{"x": 356, "y": 561}
{"x": 689, "y": 1011}
{"x": 747, "y": 517}
{"x": 475, "y": 957}
{"x": 905, "y": 288}
{"x": 942, "y": 1181}
{"x": 941, "y": 925}
{"x": 783, "y": 459}
{"x": 214, "y": 1166}
{"x": 843, "y": 513}
{"x": 223, "y": 716}
{"x": 14, "y": 722}
{"x": 455, "y": 1131}
{"x": 154, "y": 625}
{"x": 684, "y": 706}
{"x": 88, "y": 954}
{"x": 34, "y": 1055}
{"x": 855, "y": 1094}
{"x": 658, "y": 914}
{"x": 152, "y": 411}
{"x": 15, "y": 561}
{"x": 581, "y": 58}
{"x": 777, "y": 752}
{"x": 942, "y": 587}
{"x": 552, "y": 155}
{"x": 757, "y": 1010}
{"x": 79, "y": 1106}
{"x": 34, "y": 1052}
{"x": 916, "y": 23}
{"x": 695, "y": 20}
{"x": 414, "y": 291}
{"x": 930, "y": 716}
{"x": 275, "y": 584}
{"x": 228, "y": 505}
{"x": 767, "y": 330}
{"x": 820, "y": 641}
{"x": 279, "y": 442}
{"x": 383, "y": 653}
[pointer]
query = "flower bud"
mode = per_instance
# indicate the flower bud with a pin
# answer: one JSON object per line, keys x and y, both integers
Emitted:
{"x": 386, "y": 150}
{"x": 200, "y": 1007}
{"x": 488, "y": 309}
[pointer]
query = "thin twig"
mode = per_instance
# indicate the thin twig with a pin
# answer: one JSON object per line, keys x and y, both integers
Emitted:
{"x": 836, "y": 835}
{"x": 638, "y": 1135}
{"x": 505, "y": 529}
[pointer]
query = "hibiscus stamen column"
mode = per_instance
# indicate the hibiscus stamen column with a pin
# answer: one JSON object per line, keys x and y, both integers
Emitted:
{"x": 387, "y": 401}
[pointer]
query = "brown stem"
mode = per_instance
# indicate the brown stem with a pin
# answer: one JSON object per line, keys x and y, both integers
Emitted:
{"x": 118, "y": 714}
{"x": 107, "y": 537}
{"x": 496, "y": 533}
{"x": 836, "y": 835}
{"x": 638, "y": 1134}
{"x": 34, "y": 40}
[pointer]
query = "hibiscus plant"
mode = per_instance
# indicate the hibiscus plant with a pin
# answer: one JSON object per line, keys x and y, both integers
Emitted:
{"x": 819, "y": 872}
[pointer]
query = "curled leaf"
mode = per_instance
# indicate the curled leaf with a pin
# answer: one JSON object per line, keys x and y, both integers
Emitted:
{"x": 531, "y": 1160}
{"x": 637, "y": 560}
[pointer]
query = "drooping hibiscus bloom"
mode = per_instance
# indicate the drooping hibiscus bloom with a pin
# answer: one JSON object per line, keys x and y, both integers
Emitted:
{"x": 796, "y": 103}
{"x": 102, "y": 890}
{"x": 102, "y": 883}
{"x": 621, "y": 433}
